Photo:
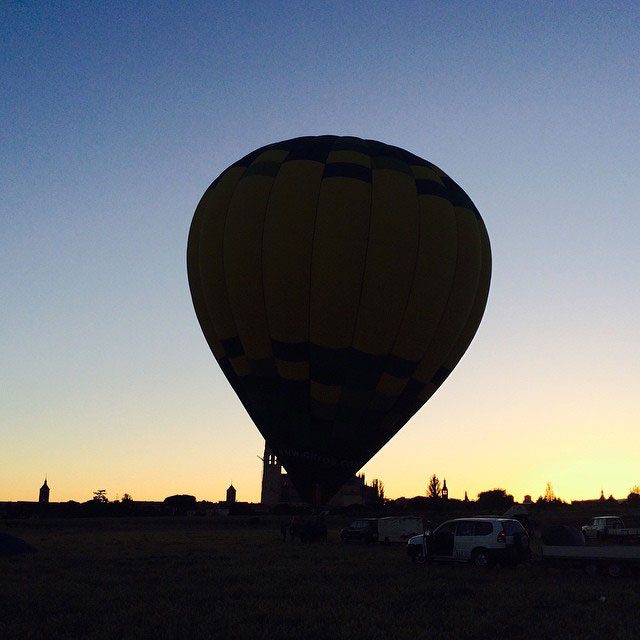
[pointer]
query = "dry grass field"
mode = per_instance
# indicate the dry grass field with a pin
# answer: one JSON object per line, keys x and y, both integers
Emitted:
{"x": 196, "y": 578}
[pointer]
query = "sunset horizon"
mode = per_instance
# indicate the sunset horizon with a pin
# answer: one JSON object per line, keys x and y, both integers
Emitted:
{"x": 319, "y": 320}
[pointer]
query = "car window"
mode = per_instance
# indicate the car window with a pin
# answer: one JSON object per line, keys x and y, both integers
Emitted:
{"x": 512, "y": 526}
{"x": 447, "y": 527}
{"x": 483, "y": 528}
{"x": 465, "y": 528}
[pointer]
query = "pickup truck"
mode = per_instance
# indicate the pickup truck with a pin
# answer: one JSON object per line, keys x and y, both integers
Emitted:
{"x": 613, "y": 560}
{"x": 609, "y": 527}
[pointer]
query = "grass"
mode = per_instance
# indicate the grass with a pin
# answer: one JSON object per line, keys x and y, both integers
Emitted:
{"x": 196, "y": 578}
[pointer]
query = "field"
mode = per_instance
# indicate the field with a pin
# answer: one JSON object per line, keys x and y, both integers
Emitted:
{"x": 199, "y": 578}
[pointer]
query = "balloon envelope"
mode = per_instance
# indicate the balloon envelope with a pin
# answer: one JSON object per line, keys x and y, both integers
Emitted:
{"x": 338, "y": 281}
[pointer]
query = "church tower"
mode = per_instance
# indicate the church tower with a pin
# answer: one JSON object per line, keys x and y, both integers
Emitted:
{"x": 231, "y": 494}
{"x": 43, "y": 496}
{"x": 445, "y": 491}
{"x": 271, "y": 477}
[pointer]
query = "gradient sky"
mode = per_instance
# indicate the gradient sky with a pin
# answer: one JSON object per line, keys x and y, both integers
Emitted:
{"x": 117, "y": 116}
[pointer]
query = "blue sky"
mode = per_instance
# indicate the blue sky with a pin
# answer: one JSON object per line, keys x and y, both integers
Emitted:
{"x": 116, "y": 118}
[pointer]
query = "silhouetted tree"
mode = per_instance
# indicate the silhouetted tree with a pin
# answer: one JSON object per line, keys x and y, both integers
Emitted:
{"x": 550, "y": 498}
{"x": 100, "y": 495}
{"x": 180, "y": 504}
{"x": 634, "y": 495}
{"x": 378, "y": 485}
{"x": 549, "y": 495}
{"x": 434, "y": 489}
{"x": 127, "y": 498}
{"x": 495, "y": 500}
{"x": 417, "y": 503}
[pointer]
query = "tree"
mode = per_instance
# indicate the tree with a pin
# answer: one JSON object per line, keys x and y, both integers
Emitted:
{"x": 549, "y": 495}
{"x": 495, "y": 500}
{"x": 434, "y": 490}
{"x": 634, "y": 495}
{"x": 549, "y": 498}
{"x": 127, "y": 498}
{"x": 180, "y": 504}
{"x": 378, "y": 485}
{"x": 100, "y": 495}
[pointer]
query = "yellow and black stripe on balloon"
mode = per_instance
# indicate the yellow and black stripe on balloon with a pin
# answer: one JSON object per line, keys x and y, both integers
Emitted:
{"x": 338, "y": 281}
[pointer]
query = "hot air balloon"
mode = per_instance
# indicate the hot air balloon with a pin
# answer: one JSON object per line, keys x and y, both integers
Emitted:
{"x": 337, "y": 281}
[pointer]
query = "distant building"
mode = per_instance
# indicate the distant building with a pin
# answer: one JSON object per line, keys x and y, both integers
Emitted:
{"x": 355, "y": 491}
{"x": 445, "y": 491}
{"x": 277, "y": 488}
{"x": 527, "y": 500}
{"x": 43, "y": 496}
{"x": 231, "y": 494}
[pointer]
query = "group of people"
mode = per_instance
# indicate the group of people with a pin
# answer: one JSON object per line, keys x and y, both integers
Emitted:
{"x": 313, "y": 529}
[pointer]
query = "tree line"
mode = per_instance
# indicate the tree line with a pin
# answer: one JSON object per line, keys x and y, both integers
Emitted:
{"x": 499, "y": 497}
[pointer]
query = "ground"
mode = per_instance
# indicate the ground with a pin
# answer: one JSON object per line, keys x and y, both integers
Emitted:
{"x": 199, "y": 578}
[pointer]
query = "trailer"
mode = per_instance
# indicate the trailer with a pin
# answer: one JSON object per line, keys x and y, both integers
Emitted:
{"x": 398, "y": 529}
{"x": 612, "y": 560}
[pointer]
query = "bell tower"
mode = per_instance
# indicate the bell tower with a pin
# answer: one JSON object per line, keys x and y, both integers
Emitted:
{"x": 43, "y": 495}
{"x": 271, "y": 477}
{"x": 445, "y": 491}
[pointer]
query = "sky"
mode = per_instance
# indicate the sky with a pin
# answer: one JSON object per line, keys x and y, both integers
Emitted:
{"x": 117, "y": 116}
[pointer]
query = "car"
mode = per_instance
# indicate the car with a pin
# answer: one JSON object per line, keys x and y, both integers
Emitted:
{"x": 482, "y": 541}
{"x": 609, "y": 527}
{"x": 363, "y": 530}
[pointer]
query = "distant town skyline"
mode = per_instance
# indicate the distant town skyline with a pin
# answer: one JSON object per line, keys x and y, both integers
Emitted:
{"x": 274, "y": 495}
{"x": 117, "y": 118}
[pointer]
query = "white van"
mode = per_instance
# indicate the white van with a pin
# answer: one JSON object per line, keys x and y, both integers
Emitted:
{"x": 398, "y": 529}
